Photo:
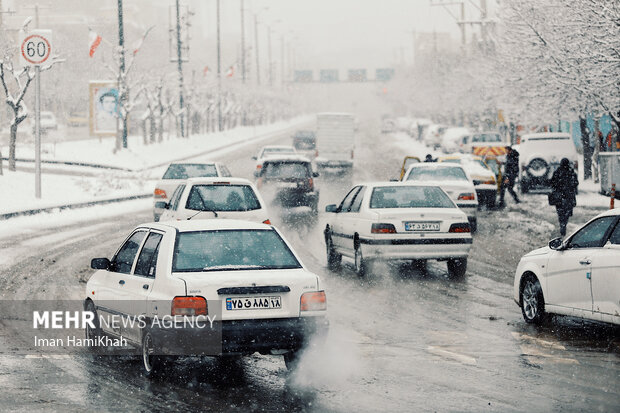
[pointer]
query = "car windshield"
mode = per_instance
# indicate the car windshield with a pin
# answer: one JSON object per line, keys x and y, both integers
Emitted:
{"x": 286, "y": 170}
{"x": 222, "y": 198}
{"x": 409, "y": 197}
{"x": 487, "y": 137}
{"x": 437, "y": 174}
{"x": 190, "y": 170}
{"x": 452, "y": 160}
{"x": 231, "y": 250}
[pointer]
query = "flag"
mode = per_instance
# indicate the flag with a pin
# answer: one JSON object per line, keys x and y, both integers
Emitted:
{"x": 138, "y": 43}
{"x": 231, "y": 71}
{"x": 94, "y": 40}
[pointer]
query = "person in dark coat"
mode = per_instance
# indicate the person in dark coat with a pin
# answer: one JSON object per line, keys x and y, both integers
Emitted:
{"x": 429, "y": 158}
{"x": 564, "y": 184}
{"x": 511, "y": 171}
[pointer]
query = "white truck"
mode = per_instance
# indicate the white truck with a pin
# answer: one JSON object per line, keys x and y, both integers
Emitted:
{"x": 335, "y": 140}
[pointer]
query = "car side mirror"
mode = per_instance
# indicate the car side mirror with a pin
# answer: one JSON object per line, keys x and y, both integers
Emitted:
{"x": 331, "y": 208}
{"x": 162, "y": 205}
{"x": 315, "y": 174}
{"x": 556, "y": 244}
{"x": 100, "y": 264}
{"x": 254, "y": 158}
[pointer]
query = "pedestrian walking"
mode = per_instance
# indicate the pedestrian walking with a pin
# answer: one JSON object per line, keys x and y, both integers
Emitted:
{"x": 564, "y": 184}
{"x": 511, "y": 171}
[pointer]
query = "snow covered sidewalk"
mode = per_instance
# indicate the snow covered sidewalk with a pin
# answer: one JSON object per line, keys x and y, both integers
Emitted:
{"x": 135, "y": 169}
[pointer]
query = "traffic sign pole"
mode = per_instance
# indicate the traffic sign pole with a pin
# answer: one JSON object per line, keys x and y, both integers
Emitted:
{"x": 37, "y": 132}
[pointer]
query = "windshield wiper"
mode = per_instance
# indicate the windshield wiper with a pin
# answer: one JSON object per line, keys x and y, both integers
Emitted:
{"x": 204, "y": 210}
{"x": 234, "y": 267}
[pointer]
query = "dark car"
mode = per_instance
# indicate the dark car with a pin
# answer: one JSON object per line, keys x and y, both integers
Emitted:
{"x": 291, "y": 182}
{"x": 304, "y": 142}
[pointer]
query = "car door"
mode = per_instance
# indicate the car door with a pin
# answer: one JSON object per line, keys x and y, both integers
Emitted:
{"x": 114, "y": 297}
{"x": 341, "y": 235}
{"x": 351, "y": 221}
{"x": 139, "y": 284}
{"x": 569, "y": 271}
{"x": 606, "y": 278}
{"x": 172, "y": 211}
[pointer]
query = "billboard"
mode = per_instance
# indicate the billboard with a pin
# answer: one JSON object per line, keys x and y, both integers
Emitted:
{"x": 384, "y": 74}
{"x": 357, "y": 75}
{"x": 303, "y": 76}
{"x": 329, "y": 75}
{"x": 104, "y": 107}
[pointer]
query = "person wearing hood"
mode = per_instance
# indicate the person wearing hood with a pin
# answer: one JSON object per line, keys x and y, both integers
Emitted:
{"x": 564, "y": 184}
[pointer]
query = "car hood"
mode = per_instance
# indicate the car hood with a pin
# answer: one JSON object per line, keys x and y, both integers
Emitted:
{"x": 539, "y": 251}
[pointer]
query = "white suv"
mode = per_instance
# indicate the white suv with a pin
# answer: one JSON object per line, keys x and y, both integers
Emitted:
{"x": 540, "y": 155}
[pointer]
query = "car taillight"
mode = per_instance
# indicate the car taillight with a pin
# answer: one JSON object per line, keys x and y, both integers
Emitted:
{"x": 189, "y": 306}
{"x": 489, "y": 182}
{"x": 267, "y": 222}
{"x": 467, "y": 197}
{"x": 311, "y": 183}
{"x": 259, "y": 166}
{"x": 383, "y": 229}
{"x": 460, "y": 227}
{"x": 159, "y": 193}
{"x": 314, "y": 301}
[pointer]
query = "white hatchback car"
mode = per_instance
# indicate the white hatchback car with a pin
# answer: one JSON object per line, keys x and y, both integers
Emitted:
{"x": 176, "y": 173}
{"x": 397, "y": 221}
{"x": 168, "y": 276}
{"x": 578, "y": 277}
{"x": 454, "y": 180}
{"x": 270, "y": 151}
{"x": 206, "y": 198}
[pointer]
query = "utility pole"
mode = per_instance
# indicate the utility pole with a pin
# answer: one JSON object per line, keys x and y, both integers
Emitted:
{"x": 219, "y": 72}
{"x": 122, "y": 87}
{"x": 180, "y": 68}
{"x": 256, "y": 51}
{"x": 37, "y": 120}
{"x": 269, "y": 53}
{"x": 242, "y": 44}
{"x": 460, "y": 21}
{"x": 282, "y": 60}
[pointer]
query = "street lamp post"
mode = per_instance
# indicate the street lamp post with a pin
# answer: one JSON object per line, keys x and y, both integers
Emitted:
{"x": 242, "y": 44}
{"x": 219, "y": 72}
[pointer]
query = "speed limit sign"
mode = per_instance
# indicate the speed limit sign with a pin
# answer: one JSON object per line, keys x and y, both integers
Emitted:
{"x": 35, "y": 47}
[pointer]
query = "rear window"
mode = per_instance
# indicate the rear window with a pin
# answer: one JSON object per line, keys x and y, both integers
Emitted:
{"x": 222, "y": 198}
{"x": 190, "y": 170}
{"x": 286, "y": 170}
{"x": 231, "y": 250}
{"x": 437, "y": 174}
{"x": 270, "y": 151}
{"x": 487, "y": 137}
{"x": 304, "y": 143}
{"x": 409, "y": 197}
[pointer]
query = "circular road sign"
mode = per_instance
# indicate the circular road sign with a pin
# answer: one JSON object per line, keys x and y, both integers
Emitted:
{"x": 36, "y": 49}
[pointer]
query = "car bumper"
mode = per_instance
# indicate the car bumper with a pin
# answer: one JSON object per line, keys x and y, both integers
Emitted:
{"x": 292, "y": 199}
{"x": 416, "y": 248}
{"x": 325, "y": 163}
{"x": 240, "y": 336}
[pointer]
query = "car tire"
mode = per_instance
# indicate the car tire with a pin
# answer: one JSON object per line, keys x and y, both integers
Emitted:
{"x": 333, "y": 258}
{"x": 361, "y": 264}
{"x": 457, "y": 267}
{"x": 532, "y": 301}
{"x": 538, "y": 168}
{"x": 93, "y": 333}
{"x": 291, "y": 359}
{"x": 152, "y": 365}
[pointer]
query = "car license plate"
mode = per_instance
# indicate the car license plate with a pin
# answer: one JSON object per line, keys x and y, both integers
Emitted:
{"x": 421, "y": 226}
{"x": 253, "y": 303}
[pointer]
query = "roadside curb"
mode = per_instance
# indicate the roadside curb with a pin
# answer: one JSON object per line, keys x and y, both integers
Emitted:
{"x": 16, "y": 214}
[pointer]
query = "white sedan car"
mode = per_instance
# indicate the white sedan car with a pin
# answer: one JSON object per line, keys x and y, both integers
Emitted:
{"x": 397, "y": 221}
{"x": 270, "y": 151}
{"x": 206, "y": 198}
{"x": 482, "y": 176}
{"x": 208, "y": 287}
{"x": 176, "y": 173}
{"x": 454, "y": 180}
{"x": 578, "y": 277}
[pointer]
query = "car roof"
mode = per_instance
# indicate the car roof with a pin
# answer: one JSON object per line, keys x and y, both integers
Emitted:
{"x": 397, "y": 183}
{"x": 214, "y": 179}
{"x": 194, "y": 163}
{"x": 610, "y": 212}
{"x": 283, "y": 158}
{"x": 279, "y": 147}
{"x": 207, "y": 225}
{"x": 546, "y": 135}
{"x": 436, "y": 165}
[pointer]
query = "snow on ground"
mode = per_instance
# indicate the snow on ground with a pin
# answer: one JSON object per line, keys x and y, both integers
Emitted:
{"x": 89, "y": 184}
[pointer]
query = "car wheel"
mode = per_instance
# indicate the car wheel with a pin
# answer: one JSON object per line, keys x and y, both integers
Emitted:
{"x": 291, "y": 359}
{"x": 96, "y": 332}
{"x": 532, "y": 301}
{"x": 361, "y": 264}
{"x": 457, "y": 267}
{"x": 538, "y": 168}
{"x": 333, "y": 258}
{"x": 152, "y": 364}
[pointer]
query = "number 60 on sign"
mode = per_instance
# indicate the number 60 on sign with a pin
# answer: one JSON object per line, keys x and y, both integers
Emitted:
{"x": 35, "y": 47}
